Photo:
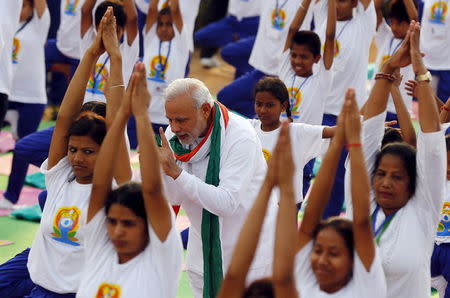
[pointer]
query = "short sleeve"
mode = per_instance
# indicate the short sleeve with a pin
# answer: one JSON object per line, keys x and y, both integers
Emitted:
{"x": 285, "y": 67}
{"x": 311, "y": 135}
{"x": 372, "y": 136}
{"x": 166, "y": 257}
{"x": 372, "y": 283}
{"x": 303, "y": 273}
{"x": 43, "y": 23}
{"x": 149, "y": 36}
{"x": 57, "y": 176}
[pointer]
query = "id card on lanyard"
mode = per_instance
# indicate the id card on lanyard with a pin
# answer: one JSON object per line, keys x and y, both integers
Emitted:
{"x": 377, "y": 233}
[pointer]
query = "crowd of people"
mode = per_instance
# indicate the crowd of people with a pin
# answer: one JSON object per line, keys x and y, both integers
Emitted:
{"x": 375, "y": 222}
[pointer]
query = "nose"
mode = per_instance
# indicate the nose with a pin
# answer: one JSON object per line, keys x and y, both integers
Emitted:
{"x": 175, "y": 127}
{"x": 118, "y": 230}
{"x": 386, "y": 182}
{"x": 78, "y": 158}
{"x": 323, "y": 259}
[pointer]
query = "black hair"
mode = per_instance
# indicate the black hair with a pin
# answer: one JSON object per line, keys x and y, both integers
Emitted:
{"x": 119, "y": 13}
{"x": 164, "y": 11}
{"x": 89, "y": 124}
{"x": 407, "y": 155}
{"x": 447, "y": 142}
{"x": 391, "y": 135}
{"x": 128, "y": 195}
{"x": 398, "y": 11}
{"x": 277, "y": 88}
{"x": 97, "y": 107}
{"x": 261, "y": 288}
{"x": 308, "y": 39}
{"x": 342, "y": 226}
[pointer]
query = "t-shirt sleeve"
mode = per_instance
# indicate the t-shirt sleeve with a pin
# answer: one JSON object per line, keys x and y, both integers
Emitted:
{"x": 431, "y": 160}
{"x": 304, "y": 276}
{"x": 383, "y": 34}
{"x": 372, "y": 283}
{"x": 311, "y": 137}
{"x": 368, "y": 19}
{"x": 166, "y": 257}
{"x": 285, "y": 66}
{"x": 57, "y": 176}
{"x": 149, "y": 36}
{"x": 43, "y": 23}
{"x": 372, "y": 135}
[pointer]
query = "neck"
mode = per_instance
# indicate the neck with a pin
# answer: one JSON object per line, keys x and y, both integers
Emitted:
{"x": 84, "y": 180}
{"x": 123, "y": 258}
{"x": 270, "y": 126}
{"x": 208, "y": 123}
{"x": 346, "y": 18}
{"x": 334, "y": 287}
{"x": 389, "y": 211}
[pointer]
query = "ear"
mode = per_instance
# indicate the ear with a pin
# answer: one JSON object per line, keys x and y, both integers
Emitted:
{"x": 206, "y": 110}
{"x": 317, "y": 58}
{"x": 285, "y": 105}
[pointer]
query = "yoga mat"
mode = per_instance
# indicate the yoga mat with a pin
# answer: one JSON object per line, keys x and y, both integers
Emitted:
{"x": 6, "y": 162}
{"x": 5, "y": 242}
{"x": 36, "y": 180}
{"x": 7, "y": 142}
{"x": 28, "y": 197}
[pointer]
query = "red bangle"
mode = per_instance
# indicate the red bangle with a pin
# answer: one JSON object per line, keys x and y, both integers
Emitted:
{"x": 386, "y": 76}
{"x": 445, "y": 108}
{"x": 348, "y": 146}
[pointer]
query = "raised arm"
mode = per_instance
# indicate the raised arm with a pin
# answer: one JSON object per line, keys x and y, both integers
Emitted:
{"x": 176, "y": 14}
{"x": 328, "y": 52}
{"x": 40, "y": 6}
{"x": 297, "y": 22}
{"x": 115, "y": 92}
{"x": 404, "y": 119}
{"x": 428, "y": 113}
{"x": 86, "y": 16}
{"x": 73, "y": 100}
{"x": 321, "y": 189}
{"x": 233, "y": 284}
{"x": 360, "y": 186}
{"x": 286, "y": 229}
{"x": 152, "y": 15}
{"x": 131, "y": 27}
{"x": 411, "y": 10}
{"x": 379, "y": 10}
{"x": 445, "y": 109}
{"x": 156, "y": 206}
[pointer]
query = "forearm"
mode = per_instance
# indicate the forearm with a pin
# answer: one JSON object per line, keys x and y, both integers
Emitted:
{"x": 377, "y": 102}
{"x": 152, "y": 15}
{"x": 328, "y": 54}
{"x": 114, "y": 92}
{"x": 445, "y": 109}
{"x": 428, "y": 113}
{"x": 131, "y": 26}
{"x": 86, "y": 15}
{"x": 360, "y": 187}
{"x": 297, "y": 22}
{"x": 176, "y": 14}
{"x": 404, "y": 119}
{"x": 411, "y": 10}
{"x": 40, "y": 6}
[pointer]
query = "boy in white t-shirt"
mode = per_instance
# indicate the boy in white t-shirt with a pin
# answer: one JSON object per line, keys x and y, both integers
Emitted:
{"x": 388, "y": 40}
{"x": 126, "y": 18}
{"x": 166, "y": 44}
{"x": 440, "y": 265}
{"x": 435, "y": 42}
{"x": 275, "y": 19}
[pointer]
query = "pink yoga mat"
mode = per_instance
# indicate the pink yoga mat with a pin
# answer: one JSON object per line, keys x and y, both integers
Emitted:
{"x": 28, "y": 197}
{"x": 5, "y": 165}
{"x": 7, "y": 142}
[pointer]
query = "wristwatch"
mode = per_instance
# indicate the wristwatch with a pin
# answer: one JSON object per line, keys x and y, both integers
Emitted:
{"x": 424, "y": 77}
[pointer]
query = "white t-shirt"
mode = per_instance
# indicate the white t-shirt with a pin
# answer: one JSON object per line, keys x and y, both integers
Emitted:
{"x": 244, "y": 8}
{"x": 353, "y": 39}
{"x": 387, "y": 45}
{"x": 365, "y": 284}
{"x": 307, "y": 144}
{"x": 406, "y": 245}
{"x": 29, "y": 61}
{"x": 68, "y": 36}
{"x": 9, "y": 19}
{"x": 155, "y": 272}
{"x": 272, "y": 33}
{"x": 57, "y": 255}
{"x": 306, "y": 94}
{"x": 96, "y": 84}
{"x": 164, "y": 62}
{"x": 435, "y": 34}
{"x": 443, "y": 229}
{"x": 189, "y": 12}
{"x": 242, "y": 171}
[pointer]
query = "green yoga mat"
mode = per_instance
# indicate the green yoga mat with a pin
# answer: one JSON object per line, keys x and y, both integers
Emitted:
{"x": 36, "y": 180}
{"x": 32, "y": 213}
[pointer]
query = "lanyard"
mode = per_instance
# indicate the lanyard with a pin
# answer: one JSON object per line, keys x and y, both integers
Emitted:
{"x": 278, "y": 8}
{"x": 300, "y": 87}
{"x": 395, "y": 49}
{"x": 24, "y": 25}
{"x": 167, "y": 56}
{"x": 342, "y": 30}
{"x": 383, "y": 227}
{"x": 99, "y": 72}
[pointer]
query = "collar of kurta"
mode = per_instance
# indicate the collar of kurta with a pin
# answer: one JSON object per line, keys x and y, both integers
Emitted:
{"x": 210, "y": 229}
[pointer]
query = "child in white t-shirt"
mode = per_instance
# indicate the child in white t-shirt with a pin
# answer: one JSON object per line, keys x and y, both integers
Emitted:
{"x": 28, "y": 94}
{"x": 126, "y": 18}
{"x": 388, "y": 40}
{"x": 133, "y": 248}
{"x": 166, "y": 44}
{"x": 272, "y": 99}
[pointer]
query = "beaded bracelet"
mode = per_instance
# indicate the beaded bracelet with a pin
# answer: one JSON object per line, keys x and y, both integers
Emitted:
{"x": 386, "y": 76}
{"x": 445, "y": 108}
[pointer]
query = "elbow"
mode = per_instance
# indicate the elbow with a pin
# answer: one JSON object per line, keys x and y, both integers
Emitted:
{"x": 282, "y": 277}
{"x": 361, "y": 222}
{"x": 152, "y": 191}
{"x": 330, "y": 36}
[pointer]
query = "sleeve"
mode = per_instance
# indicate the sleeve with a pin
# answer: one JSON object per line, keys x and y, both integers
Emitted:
{"x": 43, "y": 23}
{"x": 303, "y": 272}
{"x": 285, "y": 66}
{"x": 383, "y": 34}
{"x": 372, "y": 283}
{"x": 237, "y": 167}
{"x": 431, "y": 160}
{"x": 96, "y": 235}
{"x": 166, "y": 257}
{"x": 368, "y": 20}
{"x": 311, "y": 136}
{"x": 57, "y": 176}
{"x": 149, "y": 36}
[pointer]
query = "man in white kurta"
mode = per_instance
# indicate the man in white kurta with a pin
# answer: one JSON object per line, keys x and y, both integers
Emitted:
{"x": 242, "y": 170}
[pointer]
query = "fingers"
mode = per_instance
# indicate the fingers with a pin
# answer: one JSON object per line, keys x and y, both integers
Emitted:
{"x": 390, "y": 123}
{"x": 164, "y": 142}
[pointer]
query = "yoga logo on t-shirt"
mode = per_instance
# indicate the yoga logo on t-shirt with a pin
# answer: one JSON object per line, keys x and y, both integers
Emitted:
{"x": 295, "y": 99}
{"x": 16, "y": 50}
{"x": 97, "y": 80}
{"x": 106, "y": 290}
{"x": 278, "y": 19}
{"x": 444, "y": 225}
{"x": 71, "y": 7}
{"x": 438, "y": 11}
{"x": 266, "y": 154}
{"x": 383, "y": 60}
{"x": 158, "y": 68}
{"x": 337, "y": 47}
{"x": 65, "y": 225}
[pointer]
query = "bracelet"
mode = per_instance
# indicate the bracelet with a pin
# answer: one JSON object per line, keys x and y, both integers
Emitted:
{"x": 445, "y": 108}
{"x": 385, "y": 76}
{"x": 115, "y": 86}
{"x": 354, "y": 145}
{"x": 301, "y": 6}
